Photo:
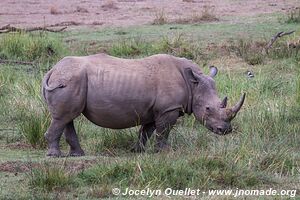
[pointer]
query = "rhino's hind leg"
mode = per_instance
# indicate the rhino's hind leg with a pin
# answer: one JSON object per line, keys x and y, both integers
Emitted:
{"x": 52, "y": 136}
{"x": 72, "y": 140}
{"x": 145, "y": 133}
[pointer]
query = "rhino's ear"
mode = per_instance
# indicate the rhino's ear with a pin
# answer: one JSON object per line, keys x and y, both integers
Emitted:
{"x": 213, "y": 71}
{"x": 191, "y": 76}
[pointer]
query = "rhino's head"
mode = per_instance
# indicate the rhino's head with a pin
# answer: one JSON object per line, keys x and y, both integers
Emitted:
{"x": 206, "y": 105}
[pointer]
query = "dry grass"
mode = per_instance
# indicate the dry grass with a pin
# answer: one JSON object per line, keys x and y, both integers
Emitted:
{"x": 206, "y": 15}
{"x": 160, "y": 17}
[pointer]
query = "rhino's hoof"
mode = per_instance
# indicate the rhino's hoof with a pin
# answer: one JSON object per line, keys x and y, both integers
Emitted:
{"x": 76, "y": 153}
{"x": 53, "y": 153}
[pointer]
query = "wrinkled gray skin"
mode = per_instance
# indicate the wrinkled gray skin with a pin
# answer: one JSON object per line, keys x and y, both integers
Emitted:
{"x": 122, "y": 93}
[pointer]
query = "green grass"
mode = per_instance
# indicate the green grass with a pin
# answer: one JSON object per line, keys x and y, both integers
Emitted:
{"x": 50, "y": 177}
{"x": 261, "y": 153}
{"x": 39, "y": 47}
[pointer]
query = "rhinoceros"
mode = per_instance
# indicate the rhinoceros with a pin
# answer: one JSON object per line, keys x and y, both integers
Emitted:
{"x": 121, "y": 93}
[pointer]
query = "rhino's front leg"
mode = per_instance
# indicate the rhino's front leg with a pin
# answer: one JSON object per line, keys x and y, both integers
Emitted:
{"x": 52, "y": 136}
{"x": 145, "y": 133}
{"x": 163, "y": 126}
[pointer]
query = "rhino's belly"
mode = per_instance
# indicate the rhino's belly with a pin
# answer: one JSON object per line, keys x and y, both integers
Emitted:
{"x": 116, "y": 117}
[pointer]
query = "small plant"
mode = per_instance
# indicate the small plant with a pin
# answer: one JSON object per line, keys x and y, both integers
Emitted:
{"x": 160, "y": 18}
{"x": 293, "y": 16}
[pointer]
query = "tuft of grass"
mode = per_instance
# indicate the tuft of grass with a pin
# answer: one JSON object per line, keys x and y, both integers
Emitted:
{"x": 28, "y": 111}
{"x": 293, "y": 16}
{"x": 160, "y": 17}
{"x": 33, "y": 127}
{"x": 49, "y": 177}
{"x": 40, "y": 47}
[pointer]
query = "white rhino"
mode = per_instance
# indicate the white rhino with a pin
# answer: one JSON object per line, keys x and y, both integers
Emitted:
{"x": 121, "y": 93}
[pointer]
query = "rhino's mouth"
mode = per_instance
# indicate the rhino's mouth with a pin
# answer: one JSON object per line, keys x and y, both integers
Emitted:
{"x": 219, "y": 131}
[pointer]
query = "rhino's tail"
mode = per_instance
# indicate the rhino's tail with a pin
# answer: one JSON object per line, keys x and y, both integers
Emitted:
{"x": 46, "y": 87}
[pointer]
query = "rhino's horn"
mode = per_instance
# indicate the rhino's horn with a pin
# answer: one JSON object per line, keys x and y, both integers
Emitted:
{"x": 235, "y": 109}
{"x": 224, "y": 102}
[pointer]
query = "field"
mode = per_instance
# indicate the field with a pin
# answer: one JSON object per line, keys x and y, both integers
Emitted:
{"x": 262, "y": 152}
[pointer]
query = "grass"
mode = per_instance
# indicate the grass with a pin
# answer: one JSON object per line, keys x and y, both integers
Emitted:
{"x": 160, "y": 18}
{"x": 175, "y": 172}
{"x": 39, "y": 47}
{"x": 262, "y": 152}
{"x": 33, "y": 127}
{"x": 49, "y": 177}
{"x": 206, "y": 15}
{"x": 137, "y": 47}
{"x": 293, "y": 16}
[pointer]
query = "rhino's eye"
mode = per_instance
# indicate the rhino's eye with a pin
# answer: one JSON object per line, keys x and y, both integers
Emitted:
{"x": 207, "y": 108}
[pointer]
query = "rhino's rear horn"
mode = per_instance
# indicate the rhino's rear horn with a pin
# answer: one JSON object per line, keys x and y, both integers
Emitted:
{"x": 224, "y": 103}
{"x": 235, "y": 109}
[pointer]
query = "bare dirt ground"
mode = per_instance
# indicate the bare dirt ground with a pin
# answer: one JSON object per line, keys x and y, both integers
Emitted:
{"x": 32, "y": 13}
